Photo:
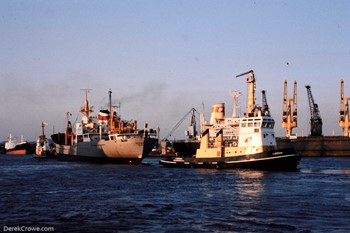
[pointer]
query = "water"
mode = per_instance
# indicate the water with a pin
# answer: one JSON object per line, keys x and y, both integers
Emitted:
{"x": 86, "y": 197}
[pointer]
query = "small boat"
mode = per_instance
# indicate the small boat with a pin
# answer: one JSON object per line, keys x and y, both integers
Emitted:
{"x": 13, "y": 147}
{"x": 104, "y": 138}
{"x": 44, "y": 149}
{"x": 250, "y": 143}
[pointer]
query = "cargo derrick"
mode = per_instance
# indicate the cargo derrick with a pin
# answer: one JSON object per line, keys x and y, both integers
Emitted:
{"x": 344, "y": 111}
{"x": 315, "y": 117}
{"x": 289, "y": 110}
{"x": 192, "y": 131}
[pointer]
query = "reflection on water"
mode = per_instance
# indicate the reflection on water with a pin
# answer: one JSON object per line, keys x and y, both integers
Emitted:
{"x": 251, "y": 184}
{"x": 327, "y": 171}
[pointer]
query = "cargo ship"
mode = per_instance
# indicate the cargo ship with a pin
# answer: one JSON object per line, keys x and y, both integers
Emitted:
{"x": 13, "y": 147}
{"x": 105, "y": 138}
{"x": 239, "y": 142}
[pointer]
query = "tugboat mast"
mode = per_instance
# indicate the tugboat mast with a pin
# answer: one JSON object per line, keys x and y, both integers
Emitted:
{"x": 235, "y": 95}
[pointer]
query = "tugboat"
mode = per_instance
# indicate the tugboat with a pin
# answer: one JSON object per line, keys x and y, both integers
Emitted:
{"x": 105, "y": 138}
{"x": 248, "y": 141}
{"x": 43, "y": 148}
{"x": 12, "y": 147}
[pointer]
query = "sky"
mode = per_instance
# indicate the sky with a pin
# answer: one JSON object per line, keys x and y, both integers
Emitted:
{"x": 160, "y": 58}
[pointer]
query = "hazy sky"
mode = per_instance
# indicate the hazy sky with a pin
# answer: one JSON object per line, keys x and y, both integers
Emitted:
{"x": 160, "y": 58}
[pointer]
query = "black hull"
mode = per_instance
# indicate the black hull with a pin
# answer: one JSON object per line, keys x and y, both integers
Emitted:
{"x": 46, "y": 156}
{"x": 101, "y": 160}
{"x": 186, "y": 148}
{"x": 282, "y": 160}
{"x": 21, "y": 149}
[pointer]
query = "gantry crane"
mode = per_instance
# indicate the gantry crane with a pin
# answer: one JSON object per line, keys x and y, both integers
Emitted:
{"x": 344, "y": 111}
{"x": 315, "y": 117}
{"x": 289, "y": 110}
{"x": 265, "y": 106}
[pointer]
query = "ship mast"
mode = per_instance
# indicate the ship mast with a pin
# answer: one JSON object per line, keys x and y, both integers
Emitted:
{"x": 111, "y": 114}
{"x": 235, "y": 95}
{"x": 86, "y": 109}
{"x": 43, "y": 123}
{"x": 251, "y": 91}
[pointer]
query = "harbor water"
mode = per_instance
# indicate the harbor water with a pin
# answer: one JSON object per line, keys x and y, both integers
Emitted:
{"x": 84, "y": 197}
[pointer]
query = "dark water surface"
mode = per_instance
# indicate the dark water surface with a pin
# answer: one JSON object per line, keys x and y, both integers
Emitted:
{"x": 82, "y": 197}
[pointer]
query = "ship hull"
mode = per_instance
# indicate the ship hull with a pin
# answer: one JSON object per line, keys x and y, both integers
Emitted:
{"x": 281, "y": 160}
{"x": 133, "y": 150}
{"x": 21, "y": 149}
{"x": 186, "y": 148}
{"x": 332, "y": 146}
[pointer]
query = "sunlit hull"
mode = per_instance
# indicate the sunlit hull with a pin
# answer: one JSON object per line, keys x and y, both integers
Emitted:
{"x": 133, "y": 150}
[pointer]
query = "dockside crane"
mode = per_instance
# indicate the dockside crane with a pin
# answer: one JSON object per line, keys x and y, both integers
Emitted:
{"x": 265, "y": 106}
{"x": 289, "y": 110}
{"x": 344, "y": 111}
{"x": 315, "y": 117}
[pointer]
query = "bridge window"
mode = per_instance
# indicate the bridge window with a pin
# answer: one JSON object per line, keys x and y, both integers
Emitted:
{"x": 256, "y": 124}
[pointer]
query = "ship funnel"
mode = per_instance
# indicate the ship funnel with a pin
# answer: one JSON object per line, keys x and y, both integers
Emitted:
{"x": 217, "y": 112}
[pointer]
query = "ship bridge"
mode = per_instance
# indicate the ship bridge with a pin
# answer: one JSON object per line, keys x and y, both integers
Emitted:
{"x": 257, "y": 131}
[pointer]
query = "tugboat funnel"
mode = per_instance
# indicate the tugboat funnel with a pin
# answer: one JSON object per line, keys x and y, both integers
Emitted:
{"x": 217, "y": 113}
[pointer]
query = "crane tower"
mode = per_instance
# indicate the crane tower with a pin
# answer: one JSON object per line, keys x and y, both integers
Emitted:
{"x": 289, "y": 110}
{"x": 344, "y": 111}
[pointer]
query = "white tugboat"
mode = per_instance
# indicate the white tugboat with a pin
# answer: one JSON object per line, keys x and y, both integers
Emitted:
{"x": 105, "y": 138}
{"x": 43, "y": 147}
{"x": 248, "y": 141}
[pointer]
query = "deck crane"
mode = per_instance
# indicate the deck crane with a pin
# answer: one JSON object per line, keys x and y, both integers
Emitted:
{"x": 265, "y": 106}
{"x": 289, "y": 110}
{"x": 192, "y": 132}
{"x": 250, "y": 80}
{"x": 344, "y": 121}
{"x": 315, "y": 117}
